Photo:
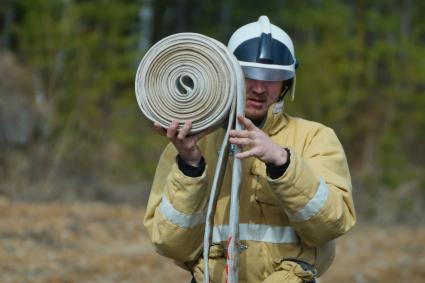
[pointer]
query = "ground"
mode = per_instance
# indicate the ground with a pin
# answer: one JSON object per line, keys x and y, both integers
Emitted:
{"x": 60, "y": 242}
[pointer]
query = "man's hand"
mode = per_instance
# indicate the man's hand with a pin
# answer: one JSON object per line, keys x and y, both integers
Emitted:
{"x": 257, "y": 143}
{"x": 186, "y": 145}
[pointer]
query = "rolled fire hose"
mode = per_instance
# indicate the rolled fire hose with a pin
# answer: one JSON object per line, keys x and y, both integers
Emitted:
{"x": 189, "y": 76}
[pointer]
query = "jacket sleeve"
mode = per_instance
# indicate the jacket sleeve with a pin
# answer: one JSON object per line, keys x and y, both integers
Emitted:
{"x": 176, "y": 210}
{"x": 315, "y": 190}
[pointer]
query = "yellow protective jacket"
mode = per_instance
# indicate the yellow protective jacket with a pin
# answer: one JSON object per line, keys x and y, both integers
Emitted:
{"x": 295, "y": 216}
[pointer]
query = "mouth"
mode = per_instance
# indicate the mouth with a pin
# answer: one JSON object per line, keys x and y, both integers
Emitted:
{"x": 255, "y": 102}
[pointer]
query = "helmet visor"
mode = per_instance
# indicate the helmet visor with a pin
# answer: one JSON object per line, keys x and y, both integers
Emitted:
{"x": 266, "y": 74}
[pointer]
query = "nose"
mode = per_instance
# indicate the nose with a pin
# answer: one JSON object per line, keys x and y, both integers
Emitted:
{"x": 259, "y": 87}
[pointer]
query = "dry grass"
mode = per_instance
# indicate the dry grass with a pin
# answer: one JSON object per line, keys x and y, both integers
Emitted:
{"x": 95, "y": 242}
{"x": 370, "y": 254}
{"x": 90, "y": 242}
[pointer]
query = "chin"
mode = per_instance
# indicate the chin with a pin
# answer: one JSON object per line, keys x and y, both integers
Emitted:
{"x": 255, "y": 117}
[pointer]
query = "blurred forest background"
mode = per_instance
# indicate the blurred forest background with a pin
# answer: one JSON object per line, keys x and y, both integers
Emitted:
{"x": 70, "y": 126}
{"x": 71, "y": 130}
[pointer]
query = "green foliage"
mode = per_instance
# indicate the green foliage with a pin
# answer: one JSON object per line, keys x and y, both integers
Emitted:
{"x": 85, "y": 54}
{"x": 362, "y": 72}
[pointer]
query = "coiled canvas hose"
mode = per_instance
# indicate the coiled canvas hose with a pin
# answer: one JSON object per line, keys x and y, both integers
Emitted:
{"x": 189, "y": 76}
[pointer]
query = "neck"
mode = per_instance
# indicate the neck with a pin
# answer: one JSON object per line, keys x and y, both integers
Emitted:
{"x": 259, "y": 123}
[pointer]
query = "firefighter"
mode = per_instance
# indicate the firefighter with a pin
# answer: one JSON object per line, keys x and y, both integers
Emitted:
{"x": 296, "y": 193}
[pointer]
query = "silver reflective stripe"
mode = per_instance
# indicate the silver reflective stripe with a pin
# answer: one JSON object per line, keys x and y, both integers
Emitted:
{"x": 258, "y": 232}
{"x": 314, "y": 205}
{"x": 179, "y": 218}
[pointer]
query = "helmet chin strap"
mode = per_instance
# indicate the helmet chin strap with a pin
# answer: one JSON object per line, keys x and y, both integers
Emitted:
{"x": 294, "y": 83}
{"x": 281, "y": 101}
{"x": 289, "y": 87}
{"x": 284, "y": 91}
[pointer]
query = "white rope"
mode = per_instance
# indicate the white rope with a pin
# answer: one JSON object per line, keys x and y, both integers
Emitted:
{"x": 189, "y": 76}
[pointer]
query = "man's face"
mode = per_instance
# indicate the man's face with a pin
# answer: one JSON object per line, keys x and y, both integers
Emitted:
{"x": 259, "y": 96}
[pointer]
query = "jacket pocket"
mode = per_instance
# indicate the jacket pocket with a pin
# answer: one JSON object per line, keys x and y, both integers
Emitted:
{"x": 272, "y": 209}
{"x": 290, "y": 272}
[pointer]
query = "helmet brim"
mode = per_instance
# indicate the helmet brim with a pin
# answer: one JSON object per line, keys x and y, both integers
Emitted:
{"x": 266, "y": 74}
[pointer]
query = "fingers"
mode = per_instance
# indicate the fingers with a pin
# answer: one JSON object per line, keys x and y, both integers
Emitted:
{"x": 241, "y": 141}
{"x": 240, "y": 134}
{"x": 249, "y": 131}
{"x": 184, "y": 130}
{"x": 245, "y": 154}
{"x": 246, "y": 122}
{"x": 175, "y": 135}
{"x": 172, "y": 130}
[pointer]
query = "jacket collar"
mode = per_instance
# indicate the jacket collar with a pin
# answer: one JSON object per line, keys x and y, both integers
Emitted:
{"x": 276, "y": 120}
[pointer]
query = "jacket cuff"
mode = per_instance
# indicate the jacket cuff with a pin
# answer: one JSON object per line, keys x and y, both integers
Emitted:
{"x": 189, "y": 170}
{"x": 275, "y": 171}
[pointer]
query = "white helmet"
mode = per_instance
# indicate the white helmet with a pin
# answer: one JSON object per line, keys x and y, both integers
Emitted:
{"x": 265, "y": 52}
